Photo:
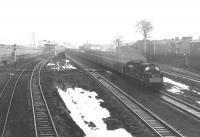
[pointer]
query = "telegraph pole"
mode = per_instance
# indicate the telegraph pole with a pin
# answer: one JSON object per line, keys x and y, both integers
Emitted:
{"x": 55, "y": 50}
{"x": 154, "y": 47}
{"x": 186, "y": 59}
{"x": 145, "y": 47}
{"x": 15, "y": 57}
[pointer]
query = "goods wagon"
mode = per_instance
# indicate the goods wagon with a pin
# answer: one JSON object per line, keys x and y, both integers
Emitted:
{"x": 135, "y": 67}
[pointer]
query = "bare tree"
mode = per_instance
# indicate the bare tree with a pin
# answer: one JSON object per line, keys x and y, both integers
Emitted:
{"x": 144, "y": 27}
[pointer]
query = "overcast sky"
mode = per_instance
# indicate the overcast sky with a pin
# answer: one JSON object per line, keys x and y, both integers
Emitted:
{"x": 96, "y": 21}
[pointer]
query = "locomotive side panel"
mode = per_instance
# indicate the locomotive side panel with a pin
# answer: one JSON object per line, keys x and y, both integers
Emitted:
{"x": 133, "y": 71}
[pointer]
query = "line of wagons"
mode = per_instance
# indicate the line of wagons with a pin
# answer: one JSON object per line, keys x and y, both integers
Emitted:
{"x": 147, "y": 73}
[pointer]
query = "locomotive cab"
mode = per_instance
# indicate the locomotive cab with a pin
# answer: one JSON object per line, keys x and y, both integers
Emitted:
{"x": 146, "y": 72}
{"x": 152, "y": 73}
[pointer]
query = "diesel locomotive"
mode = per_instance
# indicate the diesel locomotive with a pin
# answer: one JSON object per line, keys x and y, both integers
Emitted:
{"x": 132, "y": 65}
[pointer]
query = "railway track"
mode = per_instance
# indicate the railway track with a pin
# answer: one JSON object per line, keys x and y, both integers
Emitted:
{"x": 5, "y": 83}
{"x": 183, "y": 76}
{"x": 182, "y": 105}
{"x": 177, "y": 72}
{"x": 6, "y": 97}
{"x": 43, "y": 123}
{"x": 158, "y": 126}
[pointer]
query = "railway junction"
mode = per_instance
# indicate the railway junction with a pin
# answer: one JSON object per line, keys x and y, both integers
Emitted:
{"x": 69, "y": 96}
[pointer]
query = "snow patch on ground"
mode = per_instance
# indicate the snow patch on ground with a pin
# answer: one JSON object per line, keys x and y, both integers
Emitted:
{"x": 58, "y": 66}
{"x": 178, "y": 84}
{"x": 175, "y": 90}
{"x": 198, "y": 102}
{"x": 88, "y": 114}
{"x": 177, "y": 87}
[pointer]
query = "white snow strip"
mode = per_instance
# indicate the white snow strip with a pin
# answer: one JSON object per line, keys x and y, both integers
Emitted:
{"x": 196, "y": 92}
{"x": 183, "y": 86}
{"x": 88, "y": 114}
{"x": 50, "y": 63}
{"x": 178, "y": 87}
{"x": 175, "y": 90}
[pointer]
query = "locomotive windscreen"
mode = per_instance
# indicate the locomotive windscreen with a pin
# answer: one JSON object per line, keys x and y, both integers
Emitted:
{"x": 152, "y": 67}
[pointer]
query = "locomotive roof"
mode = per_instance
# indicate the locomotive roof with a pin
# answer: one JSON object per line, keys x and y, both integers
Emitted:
{"x": 142, "y": 64}
{"x": 135, "y": 62}
{"x": 125, "y": 58}
{"x": 146, "y": 64}
{"x": 120, "y": 56}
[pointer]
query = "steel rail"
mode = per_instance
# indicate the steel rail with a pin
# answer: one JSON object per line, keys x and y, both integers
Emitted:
{"x": 4, "y": 86}
{"x": 157, "y": 125}
{"x": 32, "y": 104}
{"x": 4, "y": 82}
{"x": 39, "y": 76}
{"x": 43, "y": 123}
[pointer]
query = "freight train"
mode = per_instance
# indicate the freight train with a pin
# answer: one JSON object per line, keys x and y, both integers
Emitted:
{"x": 132, "y": 65}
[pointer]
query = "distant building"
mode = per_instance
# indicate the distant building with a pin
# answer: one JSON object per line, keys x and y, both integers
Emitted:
{"x": 195, "y": 47}
{"x": 187, "y": 38}
{"x": 165, "y": 46}
{"x": 176, "y": 38}
{"x": 88, "y": 46}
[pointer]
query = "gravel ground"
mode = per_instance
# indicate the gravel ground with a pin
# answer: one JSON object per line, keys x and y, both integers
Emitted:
{"x": 120, "y": 116}
{"x": 150, "y": 99}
